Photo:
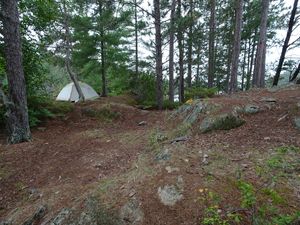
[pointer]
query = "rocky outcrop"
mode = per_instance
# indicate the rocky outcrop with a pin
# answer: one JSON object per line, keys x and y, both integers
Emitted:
{"x": 224, "y": 121}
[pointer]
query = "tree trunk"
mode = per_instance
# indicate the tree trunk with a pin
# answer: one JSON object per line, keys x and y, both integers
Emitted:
{"x": 244, "y": 66}
{"x": 158, "y": 55}
{"x": 251, "y": 61}
{"x": 198, "y": 69}
{"x": 68, "y": 47}
{"x": 103, "y": 64}
{"x": 190, "y": 46}
{"x": 180, "y": 47}
{"x": 286, "y": 43}
{"x": 260, "y": 60}
{"x": 17, "y": 122}
{"x": 237, "y": 46}
{"x": 229, "y": 56}
{"x": 248, "y": 75}
{"x": 211, "y": 45}
{"x": 136, "y": 41}
{"x": 295, "y": 74}
{"x": 171, "y": 53}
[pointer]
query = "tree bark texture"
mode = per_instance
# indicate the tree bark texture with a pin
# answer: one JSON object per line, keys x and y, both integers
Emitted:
{"x": 211, "y": 45}
{"x": 102, "y": 44}
{"x": 286, "y": 43}
{"x": 158, "y": 54}
{"x": 237, "y": 46}
{"x": 260, "y": 60}
{"x": 17, "y": 122}
{"x": 295, "y": 74}
{"x": 136, "y": 40}
{"x": 181, "y": 52}
{"x": 190, "y": 46}
{"x": 171, "y": 52}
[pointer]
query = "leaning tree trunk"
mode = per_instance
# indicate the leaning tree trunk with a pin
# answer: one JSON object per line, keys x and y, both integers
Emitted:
{"x": 17, "y": 122}
{"x": 260, "y": 60}
{"x": 158, "y": 55}
{"x": 211, "y": 45}
{"x": 180, "y": 47}
{"x": 286, "y": 43}
{"x": 237, "y": 46}
{"x": 171, "y": 53}
{"x": 68, "y": 47}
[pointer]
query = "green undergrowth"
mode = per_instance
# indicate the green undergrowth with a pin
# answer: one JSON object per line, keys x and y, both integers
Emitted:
{"x": 105, "y": 113}
{"x": 41, "y": 108}
{"x": 256, "y": 206}
{"x": 200, "y": 92}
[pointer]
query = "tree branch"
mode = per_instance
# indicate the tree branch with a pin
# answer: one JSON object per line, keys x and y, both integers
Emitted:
{"x": 141, "y": 8}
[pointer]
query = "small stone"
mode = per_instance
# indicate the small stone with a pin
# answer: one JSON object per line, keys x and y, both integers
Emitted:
{"x": 169, "y": 195}
{"x": 268, "y": 99}
{"x": 169, "y": 169}
{"x": 267, "y": 138}
{"x": 251, "y": 109}
{"x": 142, "y": 123}
{"x": 245, "y": 165}
{"x": 131, "y": 212}
{"x": 297, "y": 122}
{"x": 41, "y": 128}
{"x": 98, "y": 165}
{"x": 165, "y": 155}
{"x": 132, "y": 193}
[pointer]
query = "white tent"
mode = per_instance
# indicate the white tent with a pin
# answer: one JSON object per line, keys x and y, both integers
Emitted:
{"x": 69, "y": 93}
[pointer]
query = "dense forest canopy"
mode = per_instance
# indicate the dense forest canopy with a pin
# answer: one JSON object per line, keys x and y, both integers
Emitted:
{"x": 161, "y": 51}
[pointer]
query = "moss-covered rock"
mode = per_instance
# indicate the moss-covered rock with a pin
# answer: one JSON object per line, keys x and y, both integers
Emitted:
{"x": 251, "y": 109}
{"x": 225, "y": 121}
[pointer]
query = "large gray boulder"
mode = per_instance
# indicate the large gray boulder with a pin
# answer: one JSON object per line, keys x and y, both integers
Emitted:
{"x": 225, "y": 121}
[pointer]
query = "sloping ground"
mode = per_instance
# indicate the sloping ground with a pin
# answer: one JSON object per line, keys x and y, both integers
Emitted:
{"x": 165, "y": 172}
{"x": 67, "y": 157}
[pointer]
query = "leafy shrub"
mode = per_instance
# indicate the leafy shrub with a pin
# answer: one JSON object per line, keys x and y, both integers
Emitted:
{"x": 41, "y": 108}
{"x": 200, "y": 92}
{"x": 105, "y": 113}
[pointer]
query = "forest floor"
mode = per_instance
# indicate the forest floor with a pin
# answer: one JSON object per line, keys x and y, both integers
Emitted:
{"x": 130, "y": 161}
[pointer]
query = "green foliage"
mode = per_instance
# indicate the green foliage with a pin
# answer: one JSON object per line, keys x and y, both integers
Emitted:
{"x": 213, "y": 217}
{"x": 170, "y": 105}
{"x": 286, "y": 160}
{"x": 248, "y": 194}
{"x": 273, "y": 195}
{"x": 155, "y": 139}
{"x": 286, "y": 219}
{"x": 41, "y": 108}
{"x": 200, "y": 92}
{"x": 145, "y": 88}
{"x": 104, "y": 113}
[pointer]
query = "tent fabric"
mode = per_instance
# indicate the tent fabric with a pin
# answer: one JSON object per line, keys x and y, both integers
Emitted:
{"x": 69, "y": 93}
